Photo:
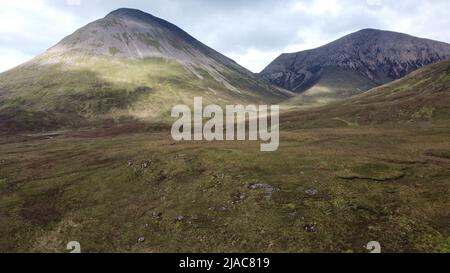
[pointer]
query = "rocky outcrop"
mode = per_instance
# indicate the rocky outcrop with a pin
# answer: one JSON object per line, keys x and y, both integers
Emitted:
{"x": 378, "y": 56}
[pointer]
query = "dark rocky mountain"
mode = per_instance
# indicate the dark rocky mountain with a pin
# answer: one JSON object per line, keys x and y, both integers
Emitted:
{"x": 353, "y": 64}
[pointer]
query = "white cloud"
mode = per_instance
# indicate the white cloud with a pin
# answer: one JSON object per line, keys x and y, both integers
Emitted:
{"x": 29, "y": 27}
{"x": 251, "y": 32}
{"x": 374, "y": 2}
{"x": 11, "y": 58}
{"x": 319, "y": 7}
{"x": 253, "y": 59}
{"x": 73, "y": 2}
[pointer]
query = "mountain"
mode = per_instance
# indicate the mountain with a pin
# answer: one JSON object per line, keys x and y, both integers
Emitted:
{"x": 128, "y": 65}
{"x": 423, "y": 95}
{"x": 352, "y": 64}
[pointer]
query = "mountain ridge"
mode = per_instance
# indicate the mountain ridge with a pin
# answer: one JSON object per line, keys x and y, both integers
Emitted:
{"x": 371, "y": 57}
{"x": 135, "y": 35}
{"x": 127, "y": 65}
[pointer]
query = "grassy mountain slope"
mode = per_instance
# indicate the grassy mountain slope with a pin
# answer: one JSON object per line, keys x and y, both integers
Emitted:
{"x": 333, "y": 85}
{"x": 126, "y": 66}
{"x": 421, "y": 96}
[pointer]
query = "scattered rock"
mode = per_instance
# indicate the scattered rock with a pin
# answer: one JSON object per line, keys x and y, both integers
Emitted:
{"x": 180, "y": 218}
{"x": 238, "y": 197}
{"x": 311, "y": 192}
{"x": 218, "y": 177}
{"x": 157, "y": 215}
{"x": 266, "y": 187}
{"x": 241, "y": 196}
{"x": 161, "y": 176}
{"x": 200, "y": 169}
{"x": 141, "y": 239}
{"x": 192, "y": 219}
{"x": 146, "y": 164}
{"x": 260, "y": 186}
{"x": 130, "y": 163}
{"x": 221, "y": 209}
{"x": 292, "y": 214}
{"x": 311, "y": 227}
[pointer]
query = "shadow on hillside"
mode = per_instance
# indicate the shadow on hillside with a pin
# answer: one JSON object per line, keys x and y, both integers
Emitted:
{"x": 55, "y": 98}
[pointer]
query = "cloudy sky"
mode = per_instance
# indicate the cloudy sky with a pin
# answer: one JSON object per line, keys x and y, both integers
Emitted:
{"x": 252, "y": 32}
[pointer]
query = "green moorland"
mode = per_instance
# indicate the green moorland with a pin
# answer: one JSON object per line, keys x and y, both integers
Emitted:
{"x": 374, "y": 168}
{"x": 421, "y": 96}
{"x": 326, "y": 190}
{"x": 80, "y": 92}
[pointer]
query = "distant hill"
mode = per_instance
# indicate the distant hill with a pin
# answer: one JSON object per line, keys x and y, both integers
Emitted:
{"x": 424, "y": 95}
{"x": 352, "y": 65}
{"x": 128, "y": 65}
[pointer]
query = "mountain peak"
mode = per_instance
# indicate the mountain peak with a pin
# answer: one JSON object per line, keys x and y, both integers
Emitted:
{"x": 139, "y": 15}
{"x": 136, "y": 35}
{"x": 370, "y": 30}
{"x": 373, "y": 32}
{"x": 128, "y": 12}
{"x": 129, "y": 64}
{"x": 374, "y": 56}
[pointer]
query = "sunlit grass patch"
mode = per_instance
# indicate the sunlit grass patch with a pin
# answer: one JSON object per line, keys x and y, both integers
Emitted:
{"x": 371, "y": 171}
